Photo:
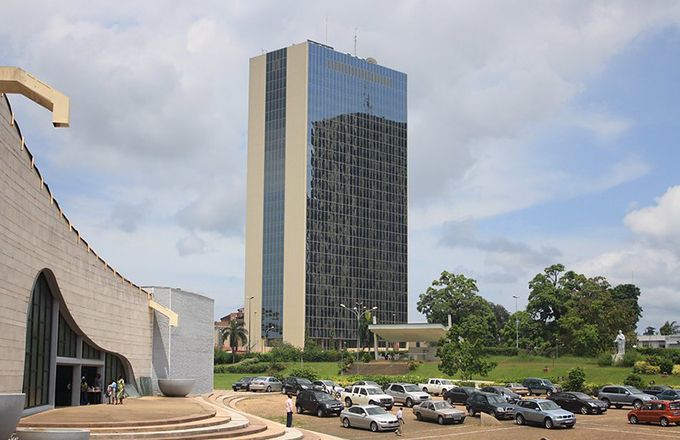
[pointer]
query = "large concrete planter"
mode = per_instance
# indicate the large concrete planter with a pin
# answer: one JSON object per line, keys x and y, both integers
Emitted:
{"x": 52, "y": 434}
{"x": 11, "y": 407}
{"x": 176, "y": 387}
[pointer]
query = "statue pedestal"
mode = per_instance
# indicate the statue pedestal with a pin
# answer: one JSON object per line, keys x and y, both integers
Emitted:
{"x": 617, "y": 358}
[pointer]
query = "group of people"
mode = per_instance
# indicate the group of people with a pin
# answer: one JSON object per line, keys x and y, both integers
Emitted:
{"x": 85, "y": 388}
{"x": 115, "y": 392}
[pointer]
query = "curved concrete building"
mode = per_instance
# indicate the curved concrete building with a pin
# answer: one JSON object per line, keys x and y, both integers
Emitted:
{"x": 65, "y": 312}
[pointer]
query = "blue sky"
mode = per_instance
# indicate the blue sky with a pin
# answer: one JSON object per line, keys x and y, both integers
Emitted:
{"x": 537, "y": 134}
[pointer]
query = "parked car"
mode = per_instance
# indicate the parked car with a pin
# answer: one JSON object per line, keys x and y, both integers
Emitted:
{"x": 579, "y": 402}
{"x": 517, "y": 388}
{"x": 654, "y": 390}
{"x": 368, "y": 417}
{"x": 407, "y": 394}
{"x": 436, "y": 386}
{"x": 543, "y": 412}
{"x": 242, "y": 384}
{"x": 367, "y": 395}
{"x": 504, "y": 392}
{"x": 459, "y": 394}
{"x": 367, "y": 382}
{"x": 265, "y": 383}
{"x": 489, "y": 403}
{"x": 440, "y": 411}
{"x": 317, "y": 402}
{"x": 328, "y": 386}
{"x": 538, "y": 386}
{"x": 656, "y": 411}
{"x": 619, "y": 395}
{"x": 670, "y": 394}
{"x": 293, "y": 385}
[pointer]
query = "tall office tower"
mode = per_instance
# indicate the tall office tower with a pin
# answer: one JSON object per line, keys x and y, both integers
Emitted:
{"x": 327, "y": 202}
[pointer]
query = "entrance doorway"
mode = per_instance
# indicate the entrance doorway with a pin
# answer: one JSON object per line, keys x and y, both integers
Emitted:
{"x": 64, "y": 386}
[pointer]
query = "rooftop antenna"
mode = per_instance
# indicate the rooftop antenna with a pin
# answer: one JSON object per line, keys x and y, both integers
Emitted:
{"x": 355, "y": 41}
{"x": 326, "y": 29}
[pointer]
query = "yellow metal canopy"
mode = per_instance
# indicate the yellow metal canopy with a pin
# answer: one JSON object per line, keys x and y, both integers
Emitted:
{"x": 409, "y": 332}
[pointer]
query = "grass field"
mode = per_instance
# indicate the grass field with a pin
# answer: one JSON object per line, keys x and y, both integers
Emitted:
{"x": 508, "y": 369}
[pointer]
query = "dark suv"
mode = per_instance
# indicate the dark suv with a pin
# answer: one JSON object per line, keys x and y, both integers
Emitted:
{"x": 294, "y": 385}
{"x": 242, "y": 384}
{"x": 317, "y": 402}
{"x": 459, "y": 394}
{"x": 538, "y": 386}
{"x": 489, "y": 403}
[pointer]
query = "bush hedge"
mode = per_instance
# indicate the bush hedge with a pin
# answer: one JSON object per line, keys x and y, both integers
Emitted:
{"x": 644, "y": 367}
{"x": 635, "y": 381}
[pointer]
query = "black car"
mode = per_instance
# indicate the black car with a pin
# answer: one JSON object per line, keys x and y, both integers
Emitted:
{"x": 242, "y": 384}
{"x": 579, "y": 402}
{"x": 293, "y": 385}
{"x": 489, "y": 403}
{"x": 655, "y": 390}
{"x": 504, "y": 392}
{"x": 317, "y": 402}
{"x": 459, "y": 394}
{"x": 538, "y": 386}
{"x": 669, "y": 394}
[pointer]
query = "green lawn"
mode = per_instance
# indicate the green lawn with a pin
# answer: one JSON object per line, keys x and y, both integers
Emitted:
{"x": 508, "y": 369}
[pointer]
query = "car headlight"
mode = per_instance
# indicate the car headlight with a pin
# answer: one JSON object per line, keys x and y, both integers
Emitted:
{"x": 500, "y": 409}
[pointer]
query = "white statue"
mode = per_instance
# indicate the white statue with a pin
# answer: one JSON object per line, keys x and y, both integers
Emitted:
{"x": 620, "y": 346}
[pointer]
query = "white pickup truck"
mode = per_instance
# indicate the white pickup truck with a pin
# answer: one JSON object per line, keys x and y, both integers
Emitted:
{"x": 436, "y": 386}
{"x": 366, "y": 395}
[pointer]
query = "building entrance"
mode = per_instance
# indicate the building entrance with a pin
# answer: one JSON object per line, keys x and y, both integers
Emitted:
{"x": 64, "y": 385}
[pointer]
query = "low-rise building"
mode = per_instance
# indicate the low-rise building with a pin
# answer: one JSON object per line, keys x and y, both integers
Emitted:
{"x": 659, "y": 341}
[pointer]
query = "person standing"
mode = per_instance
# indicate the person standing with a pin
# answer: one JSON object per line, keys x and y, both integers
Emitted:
{"x": 289, "y": 412}
{"x": 83, "y": 391}
{"x": 121, "y": 390}
{"x": 400, "y": 420}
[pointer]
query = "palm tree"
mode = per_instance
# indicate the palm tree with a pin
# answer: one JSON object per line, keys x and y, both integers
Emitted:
{"x": 669, "y": 328}
{"x": 235, "y": 333}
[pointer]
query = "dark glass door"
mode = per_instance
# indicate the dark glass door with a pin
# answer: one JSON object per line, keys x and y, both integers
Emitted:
{"x": 64, "y": 387}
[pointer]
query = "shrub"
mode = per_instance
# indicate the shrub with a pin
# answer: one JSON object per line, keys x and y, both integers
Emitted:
{"x": 500, "y": 351}
{"x": 676, "y": 370}
{"x": 274, "y": 368}
{"x": 644, "y": 367}
{"x": 630, "y": 358}
{"x": 242, "y": 368}
{"x": 413, "y": 365}
{"x": 285, "y": 352}
{"x": 575, "y": 379}
{"x": 593, "y": 388}
{"x": 605, "y": 360}
{"x": 306, "y": 372}
{"x": 665, "y": 365}
{"x": 634, "y": 380}
{"x": 366, "y": 357}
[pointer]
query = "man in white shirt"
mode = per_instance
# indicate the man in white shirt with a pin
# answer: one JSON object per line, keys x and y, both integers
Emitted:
{"x": 289, "y": 412}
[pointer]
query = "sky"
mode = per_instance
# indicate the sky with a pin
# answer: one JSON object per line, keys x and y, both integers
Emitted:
{"x": 539, "y": 133}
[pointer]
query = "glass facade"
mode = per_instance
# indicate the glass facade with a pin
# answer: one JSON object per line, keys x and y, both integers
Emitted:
{"x": 273, "y": 209}
{"x": 38, "y": 342}
{"x": 67, "y": 339}
{"x": 356, "y": 250}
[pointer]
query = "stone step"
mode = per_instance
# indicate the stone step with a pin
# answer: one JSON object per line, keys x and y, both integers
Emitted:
{"x": 221, "y": 422}
{"x": 119, "y": 425}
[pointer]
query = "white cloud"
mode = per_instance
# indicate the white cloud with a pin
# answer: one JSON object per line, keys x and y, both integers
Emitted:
{"x": 659, "y": 223}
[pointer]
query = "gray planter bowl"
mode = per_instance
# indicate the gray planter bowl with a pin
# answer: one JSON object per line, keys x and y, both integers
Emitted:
{"x": 52, "y": 434}
{"x": 11, "y": 407}
{"x": 176, "y": 387}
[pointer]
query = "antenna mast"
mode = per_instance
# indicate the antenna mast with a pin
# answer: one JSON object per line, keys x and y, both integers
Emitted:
{"x": 355, "y": 41}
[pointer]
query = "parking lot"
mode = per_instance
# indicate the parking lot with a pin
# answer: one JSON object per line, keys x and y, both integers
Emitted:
{"x": 611, "y": 426}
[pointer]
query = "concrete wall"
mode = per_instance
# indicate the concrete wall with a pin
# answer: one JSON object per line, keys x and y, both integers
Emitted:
{"x": 185, "y": 351}
{"x": 35, "y": 235}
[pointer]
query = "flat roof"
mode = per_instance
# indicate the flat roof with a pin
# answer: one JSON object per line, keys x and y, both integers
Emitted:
{"x": 420, "y": 332}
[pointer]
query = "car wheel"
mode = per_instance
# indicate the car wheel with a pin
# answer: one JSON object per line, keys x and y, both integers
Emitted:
{"x": 548, "y": 423}
{"x": 607, "y": 403}
{"x": 440, "y": 420}
{"x": 345, "y": 422}
{"x": 548, "y": 393}
{"x": 664, "y": 422}
{"x": 618, "y": 406}
{"x": 529, "y": 392}
{"x": 371, "y": 402}
{"x": 269, "y": 389}
{"x": 519, "y": 419}
{"x": 409, "y": 403}
{"x": 633, "y": 420}
{"x": 419, "y": 417}
{"x": 425, "y": 390}
{"x": 584, "y": 410}
{"x": 319, "y": 412}
{"x": 443, "y": 391}
{"x": 637, "y": 404}
{"x": 299, "y": 409}
{"x": 472, "y": 411}
{"x": 374, "y": 427}
{"x": 450, "y": 400}
{"x": 348, "y": 402}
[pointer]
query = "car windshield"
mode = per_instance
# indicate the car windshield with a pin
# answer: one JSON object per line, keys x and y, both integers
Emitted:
{"x": 375, "y": 410}
{"x": 411, "y": 388}
{"x": 446, "y": 382}
{"x": 322, "y": 396}
{"x": 634, "y": 390}
{"x": 328, "y": 383}
{"x": 496, "y": 399}
{"x": 548, "y": 406}
{"x": 547, "y": 382}
{"x": 442, "y": 405}
{"x": 504, "y": 390}
{"x": 373, "y": 391}
{"x": 304, "y": 382}
{"x": 582, "y": 396}
{"x": 260, "y": 379}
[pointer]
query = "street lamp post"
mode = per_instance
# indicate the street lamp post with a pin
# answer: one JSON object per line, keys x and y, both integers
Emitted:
{"x": 516, "y": 324}
{"x": 249, "y": 343}
{"x": 357, "y": 311}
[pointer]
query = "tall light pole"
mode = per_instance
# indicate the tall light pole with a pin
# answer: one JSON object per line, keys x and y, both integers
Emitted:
{"x": 357, "y": 311}
{"x": 249, "y": 342}
{"x": 516, "y": 324}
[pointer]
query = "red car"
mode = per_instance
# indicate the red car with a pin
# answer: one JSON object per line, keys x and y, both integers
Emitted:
{"x": 656, "y": 411}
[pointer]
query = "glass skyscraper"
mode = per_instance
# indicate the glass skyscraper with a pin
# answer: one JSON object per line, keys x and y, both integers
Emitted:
{"x": 327, "y": 195}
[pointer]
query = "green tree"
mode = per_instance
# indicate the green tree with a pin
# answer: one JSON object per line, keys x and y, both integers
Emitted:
{"x": 650, "y": 331}
{"x": 669, "y": 328}
{"x": 365, "y": 334}
{"x": 235, "y": 333}
{"x": 462, "y": 356}
{"x": 575, "y": 379}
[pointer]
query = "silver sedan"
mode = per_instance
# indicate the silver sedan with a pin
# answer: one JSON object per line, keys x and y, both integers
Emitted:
{"x": 440, "y": 411}
{"x": 267, "y": 384}
{"x": 370, "y": 417}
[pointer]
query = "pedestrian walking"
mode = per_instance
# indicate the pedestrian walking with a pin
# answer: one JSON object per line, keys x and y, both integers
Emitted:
{"x": 289, "y": 412}
{"x": 400, "y": 420}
